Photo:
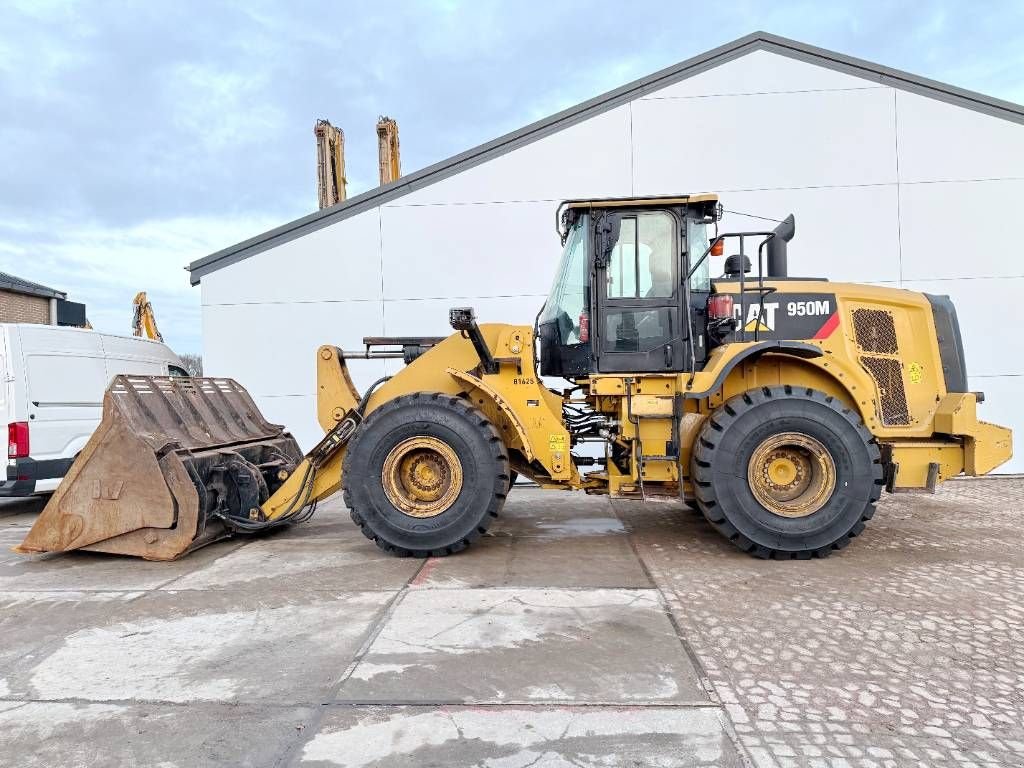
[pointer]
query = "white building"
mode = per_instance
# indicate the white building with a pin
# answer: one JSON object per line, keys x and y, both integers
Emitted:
{"x": 894, "y": 179}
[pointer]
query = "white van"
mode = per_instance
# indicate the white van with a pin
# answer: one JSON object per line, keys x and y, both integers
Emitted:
{"x": 52, "y": 381}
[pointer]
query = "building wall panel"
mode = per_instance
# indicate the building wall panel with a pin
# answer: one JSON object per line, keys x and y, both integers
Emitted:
{"x": 785, "y": 140}
{"x": 944, "y": 142}
{"x": 488, "y": 249}
{"x": 429, "y": 317}
{"x": 961, "y": 229}
{"x": 271, "y": 348}
{"x": 588, "y": 158}
{"x": 341, "y": 261}
{"x": 296, "y": 412}
{"x": 763, "y": 72}
{"x": 842, "y": 233}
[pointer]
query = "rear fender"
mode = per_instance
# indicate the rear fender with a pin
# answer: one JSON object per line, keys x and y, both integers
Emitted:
{"x": 737, "y": 368}
{"x": 724, "y": 360}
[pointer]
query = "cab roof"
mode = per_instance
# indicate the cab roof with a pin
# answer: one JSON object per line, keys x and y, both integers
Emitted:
{"x": 640, "y": 202}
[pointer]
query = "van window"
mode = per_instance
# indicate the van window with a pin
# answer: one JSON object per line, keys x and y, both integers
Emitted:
{"x": 54, "y": 379}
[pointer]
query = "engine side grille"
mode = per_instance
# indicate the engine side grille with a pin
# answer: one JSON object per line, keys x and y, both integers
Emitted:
{"x": 892, "y": 398}
{"x": 875, "y": 331}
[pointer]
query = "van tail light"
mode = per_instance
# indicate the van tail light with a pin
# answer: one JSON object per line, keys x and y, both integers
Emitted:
{"x": 720, "y": 306}
{"x": 584, "y": 327}
{"x": 17, "y": 440}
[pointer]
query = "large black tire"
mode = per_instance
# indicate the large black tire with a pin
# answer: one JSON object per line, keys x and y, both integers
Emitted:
{"x": 448, "y": 421}
{"x": 723, "y": 470}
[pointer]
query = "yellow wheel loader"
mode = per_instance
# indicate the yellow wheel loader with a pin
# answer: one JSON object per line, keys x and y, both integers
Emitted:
{"x": 779, "y": 406}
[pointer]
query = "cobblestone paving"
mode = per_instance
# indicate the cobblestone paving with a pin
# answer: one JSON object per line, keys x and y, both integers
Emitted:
{"x": 905, "y": 649}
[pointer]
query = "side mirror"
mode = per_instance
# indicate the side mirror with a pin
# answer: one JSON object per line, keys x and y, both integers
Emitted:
{"x": 607, "y": 235}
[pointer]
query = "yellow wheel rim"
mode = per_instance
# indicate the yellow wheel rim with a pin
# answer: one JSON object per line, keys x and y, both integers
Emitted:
{"x": 791, "y": 474}
{"x": 422, "y": 476}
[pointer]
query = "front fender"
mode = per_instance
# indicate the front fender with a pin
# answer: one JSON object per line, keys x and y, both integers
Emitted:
{"x": 529, "y": 418}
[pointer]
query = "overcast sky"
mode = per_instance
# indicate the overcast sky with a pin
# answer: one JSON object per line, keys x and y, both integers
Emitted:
{"x": 137, "y": 137}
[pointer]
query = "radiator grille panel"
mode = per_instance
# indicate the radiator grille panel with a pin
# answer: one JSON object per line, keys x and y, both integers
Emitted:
{"x": 875, "y": 331}
{"x": 892, "y": 398}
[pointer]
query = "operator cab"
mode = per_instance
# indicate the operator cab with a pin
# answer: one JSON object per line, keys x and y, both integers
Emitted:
{"x": 621, "y": 301}
{"x": 631, "y": 294}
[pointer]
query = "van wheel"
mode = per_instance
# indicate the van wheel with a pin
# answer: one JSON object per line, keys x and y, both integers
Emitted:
{"x": 425, "y": 475}
{"x": 787, "y": 473}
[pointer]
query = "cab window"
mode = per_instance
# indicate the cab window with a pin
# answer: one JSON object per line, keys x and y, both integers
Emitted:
{"x": 642, "y": 265}
{"x": 570, "y": 294}
{"x": 173, "y": 370}
{"x": 697, "y": 242}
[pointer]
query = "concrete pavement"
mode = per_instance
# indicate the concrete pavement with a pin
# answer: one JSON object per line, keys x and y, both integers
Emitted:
{"x": 578, "y": 633}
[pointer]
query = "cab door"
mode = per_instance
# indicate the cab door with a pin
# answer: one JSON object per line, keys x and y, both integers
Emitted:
{"x": 638, "y": 293}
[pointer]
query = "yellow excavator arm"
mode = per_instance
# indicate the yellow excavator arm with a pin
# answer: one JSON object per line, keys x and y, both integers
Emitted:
{"x": 144, "y": 319}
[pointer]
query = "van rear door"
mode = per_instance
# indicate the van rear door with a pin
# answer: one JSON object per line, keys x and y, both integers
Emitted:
{"x": 6, "y": 386}
{"x": 10, "y": 484}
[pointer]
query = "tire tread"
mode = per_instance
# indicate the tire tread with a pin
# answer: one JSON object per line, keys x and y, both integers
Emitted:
{"x": 704, "y": 458}
{"x": 473, "y": 417}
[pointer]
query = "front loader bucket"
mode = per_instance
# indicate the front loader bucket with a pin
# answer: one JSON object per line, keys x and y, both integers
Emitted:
{"x": 172, "y": 464}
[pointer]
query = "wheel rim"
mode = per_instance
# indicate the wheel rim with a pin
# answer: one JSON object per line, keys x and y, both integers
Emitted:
{"x": 791, "y": 474}
{"x": 422, "y": 476}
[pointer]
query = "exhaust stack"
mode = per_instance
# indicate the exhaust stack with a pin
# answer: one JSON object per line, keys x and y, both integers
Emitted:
{"x": 778, "y": 265}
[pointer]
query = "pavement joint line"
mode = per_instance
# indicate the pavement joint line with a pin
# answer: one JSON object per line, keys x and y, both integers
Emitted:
{"x": 327, "y": 590}
{"x": 702, "y": 675}
{"x": 368, "y": 703}
{"x": 77, "y": 700}
{"x": 152, "y": 590}
{"x": 428, "y": 567}
{"x": 292, "y": 752}
{"x": 524, "y": 704}
{"x": 520, "y": 588}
